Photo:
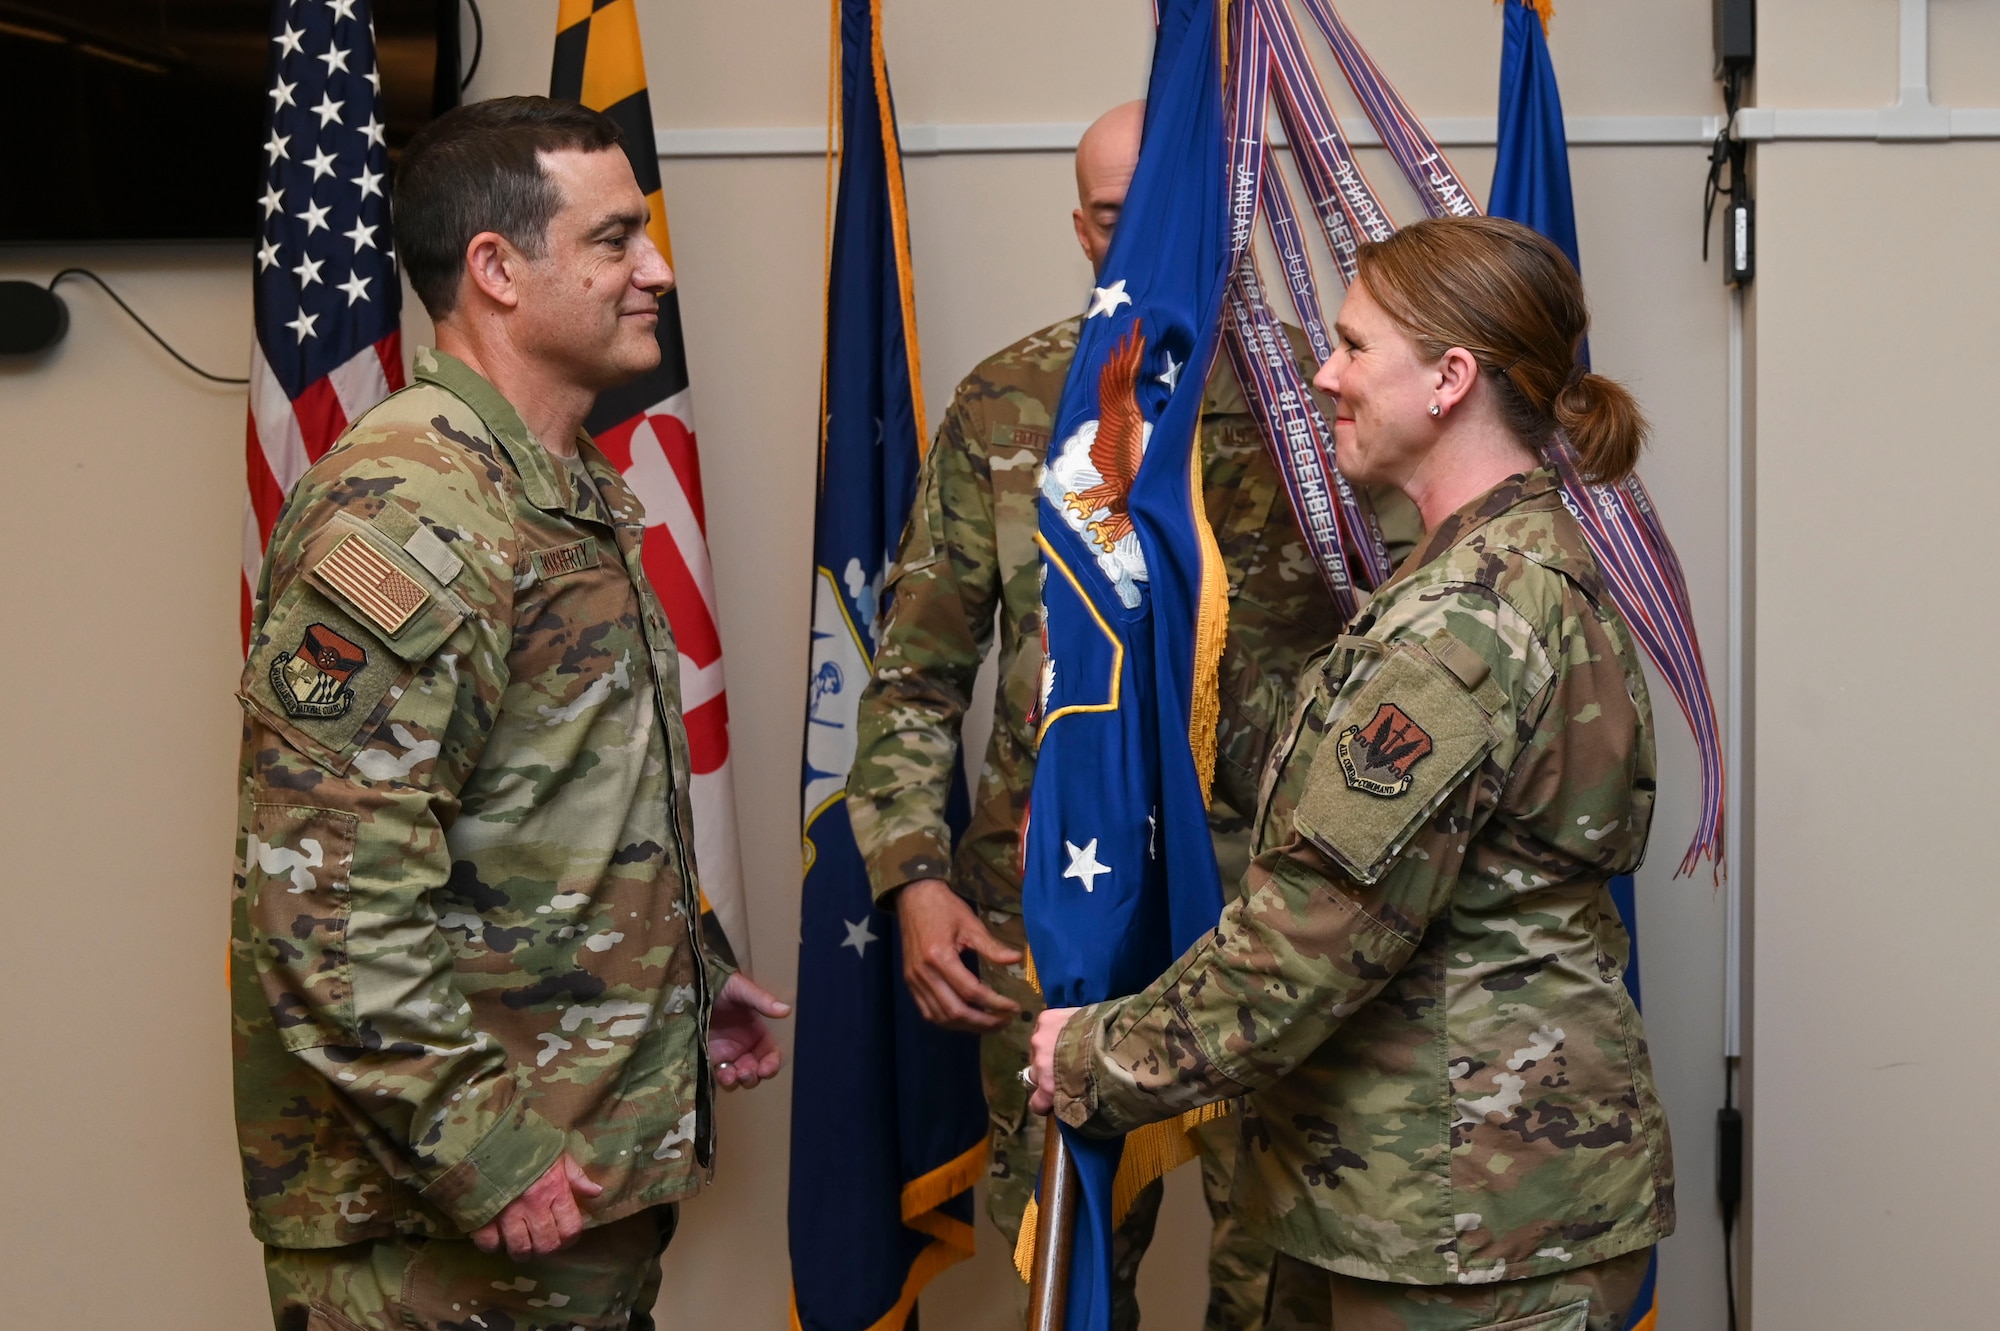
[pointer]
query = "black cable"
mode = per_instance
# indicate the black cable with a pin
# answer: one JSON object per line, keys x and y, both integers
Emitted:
{"x": 1729, "y": 1179}
{"x": 85, "y": 272}
{"x": 478, "y": 44}
{"x": 1725, "y": 151}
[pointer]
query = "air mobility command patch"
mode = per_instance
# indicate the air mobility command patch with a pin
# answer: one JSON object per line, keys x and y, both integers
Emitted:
{"x": 1402, "y": 742}
{"x": 312, "y": 680}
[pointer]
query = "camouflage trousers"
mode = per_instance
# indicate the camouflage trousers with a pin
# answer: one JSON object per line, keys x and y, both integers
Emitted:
{"x": 1238, "y": 1266}
{"x": 1598, "y": 1297}
{"x": 606, "y": 1282}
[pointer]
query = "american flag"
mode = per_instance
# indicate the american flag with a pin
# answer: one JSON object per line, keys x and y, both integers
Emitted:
{"x": 328, "y": 303}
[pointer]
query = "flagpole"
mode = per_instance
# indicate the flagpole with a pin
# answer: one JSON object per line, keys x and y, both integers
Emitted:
{"x": 1055, "y": 1232}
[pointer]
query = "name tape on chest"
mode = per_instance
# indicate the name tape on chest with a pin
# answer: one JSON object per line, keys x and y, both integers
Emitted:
{"x": 377, "y": 588}
{"x": 564, "y": 559}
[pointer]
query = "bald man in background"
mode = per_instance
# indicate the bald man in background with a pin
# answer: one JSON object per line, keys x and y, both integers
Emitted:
{"x": 968, "y": 559}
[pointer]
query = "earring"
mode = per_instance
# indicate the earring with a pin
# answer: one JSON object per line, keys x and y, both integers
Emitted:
{"x": 1436, "y": 410}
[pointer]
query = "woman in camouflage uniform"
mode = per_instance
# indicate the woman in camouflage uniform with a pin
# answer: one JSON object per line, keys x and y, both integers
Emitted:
{"x": 1451, "y": 1121}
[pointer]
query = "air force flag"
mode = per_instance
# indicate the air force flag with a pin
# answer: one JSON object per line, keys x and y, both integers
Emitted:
{"x": 1120, "y": 873}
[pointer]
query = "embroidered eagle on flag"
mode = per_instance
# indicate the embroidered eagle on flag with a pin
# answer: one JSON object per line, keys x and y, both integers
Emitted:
{"x": 1090, "y": 480}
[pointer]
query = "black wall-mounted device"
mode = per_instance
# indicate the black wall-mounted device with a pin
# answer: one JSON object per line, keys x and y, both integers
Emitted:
{"x": 1735, "y": 35}
{"x": 32, "y": 318}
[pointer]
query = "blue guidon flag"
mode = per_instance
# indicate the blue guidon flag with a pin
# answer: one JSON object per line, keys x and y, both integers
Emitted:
{"x": 888, "y": 1120}
{"x": 1531, "y": 186}
{"x": 1120, "y": 874}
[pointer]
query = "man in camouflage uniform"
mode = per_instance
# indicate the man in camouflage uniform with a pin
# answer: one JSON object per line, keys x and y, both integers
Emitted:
{"x": 1451, "y": 1119}
{"x": 968, "y": 555}
{"x": 472, "y": 1010}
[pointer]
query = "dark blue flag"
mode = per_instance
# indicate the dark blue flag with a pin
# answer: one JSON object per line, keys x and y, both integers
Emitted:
{"x": 1531, "y": 164}
{"x": 888, "y": 1120}
{"x": 1120, "y": 874}
{"x": 1531, "y": 186}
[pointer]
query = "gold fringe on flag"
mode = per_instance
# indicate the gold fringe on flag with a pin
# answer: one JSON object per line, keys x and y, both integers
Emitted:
{"x": 1211, "y": 635}
{"x": 1150, "y": 1152}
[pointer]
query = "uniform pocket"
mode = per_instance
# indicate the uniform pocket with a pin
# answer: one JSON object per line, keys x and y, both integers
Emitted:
{"x": 297, "y": 863}
{"x": 336, "y": 652}
{"x": 1403, "y": 743}
{"x": 1571, "y": 1317}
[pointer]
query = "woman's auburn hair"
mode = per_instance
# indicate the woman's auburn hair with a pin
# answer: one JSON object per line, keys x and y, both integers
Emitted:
{"x": 1508, "y": 296}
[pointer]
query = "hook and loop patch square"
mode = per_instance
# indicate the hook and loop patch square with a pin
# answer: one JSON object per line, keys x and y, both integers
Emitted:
{"x": 1403, "y": 742}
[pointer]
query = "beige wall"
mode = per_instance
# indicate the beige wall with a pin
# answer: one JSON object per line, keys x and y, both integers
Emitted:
{"x": 121, "y": 606}
{"x": 1873, "y": 1017}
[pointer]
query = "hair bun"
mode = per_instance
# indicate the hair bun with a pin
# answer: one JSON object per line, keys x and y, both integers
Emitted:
{"x": 1603, "y": 423}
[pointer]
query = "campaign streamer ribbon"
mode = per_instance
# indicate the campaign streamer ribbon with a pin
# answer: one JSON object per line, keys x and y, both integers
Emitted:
{"x": 1620, "y": 522}
{"x": 1333, "y": 518}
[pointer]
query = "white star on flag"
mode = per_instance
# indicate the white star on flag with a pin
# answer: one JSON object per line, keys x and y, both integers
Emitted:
{"x": 373, "y": 130}
{"x": 303, "y": 325}
{"x": 314, "y": 217}
{"x": 273, "y": 200}
{"x": 276, "y": 147}
{"x": 328, "y": 110}
{"x": 321, "y": 163}
{"x": 291, "y": 39}
{"x": 308, "y": 270}
{"x": 362, "y": 235}
{"x": 370, "y": 182}
{"x": 859, "y": 936}
{"x": 281, "y": 94}
{"x": 356, "y": 287}
{"x": 1172, "y": 376}
{"x": 342, "y": 8}
{"x": 1106, "y": 300}
{"x": 335, "y": 58}
{"x": 1083, "y": 864}
{"x": 267, "y": 256}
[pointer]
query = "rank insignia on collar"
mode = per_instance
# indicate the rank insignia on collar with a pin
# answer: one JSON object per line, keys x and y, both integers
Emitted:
{"x": 312, "y": 681}
{"x": 1377, "y": 758}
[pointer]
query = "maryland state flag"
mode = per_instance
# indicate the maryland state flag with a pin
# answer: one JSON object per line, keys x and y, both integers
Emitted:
{"x": 888, "y": 1121}
{"x": 1531, "y": 186}
{"x": 1120, "y": 874}
{"x": 646, "y": 430}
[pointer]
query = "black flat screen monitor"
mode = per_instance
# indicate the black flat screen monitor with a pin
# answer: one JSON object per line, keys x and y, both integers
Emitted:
{"x": 144, "y": 119}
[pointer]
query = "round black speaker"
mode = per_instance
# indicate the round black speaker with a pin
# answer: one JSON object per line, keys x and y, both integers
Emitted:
{"x": 32, "y": 318}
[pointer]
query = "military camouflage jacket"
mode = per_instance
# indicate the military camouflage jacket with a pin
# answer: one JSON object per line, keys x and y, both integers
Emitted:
{"x": 462, "y": 927}
{"x": 969, "y": 552}
{"x": 1422, "y": 984}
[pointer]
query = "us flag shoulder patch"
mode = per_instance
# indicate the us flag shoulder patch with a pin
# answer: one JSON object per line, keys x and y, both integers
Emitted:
{"x": 381, "y": 591}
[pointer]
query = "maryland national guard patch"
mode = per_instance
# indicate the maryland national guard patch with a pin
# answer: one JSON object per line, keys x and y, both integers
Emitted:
{"x": 378, "y": 589}
{"x": 1377, "y": 757}
{"x": 312, "y": 681}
